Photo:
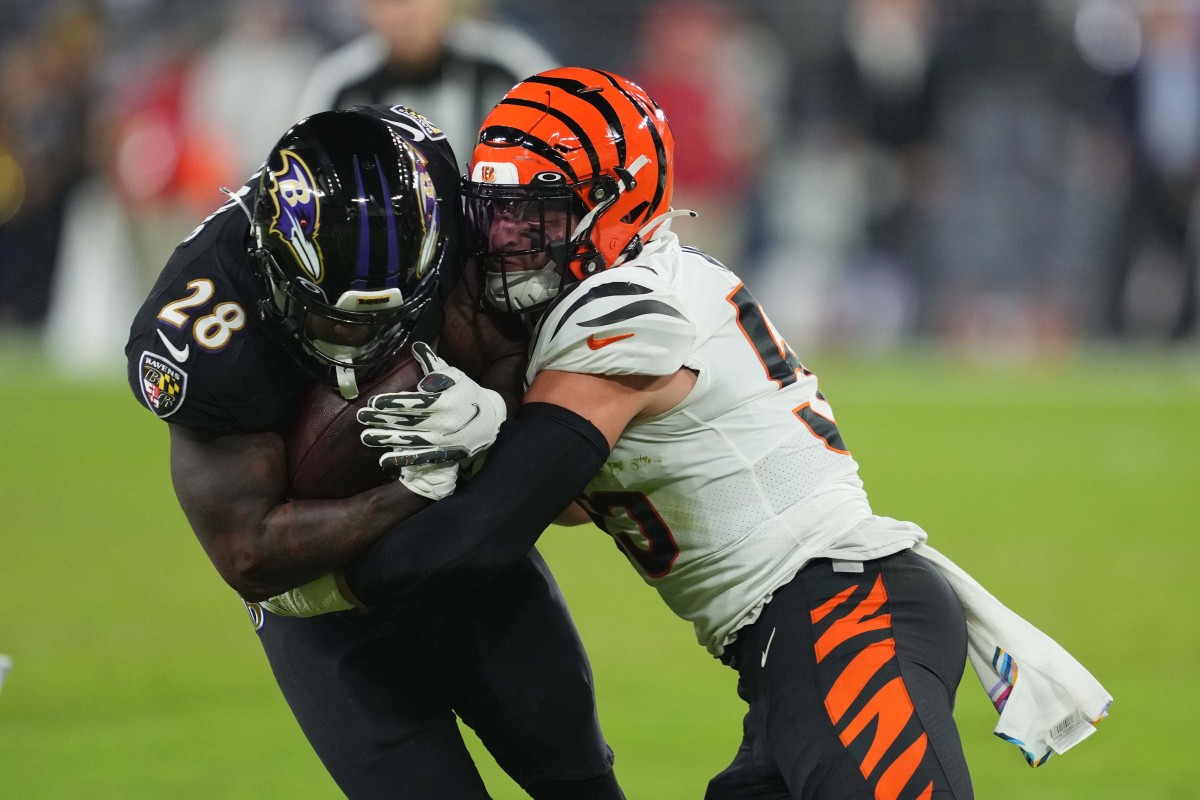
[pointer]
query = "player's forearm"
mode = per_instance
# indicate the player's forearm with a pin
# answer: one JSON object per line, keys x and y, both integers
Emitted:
{"x": 233, "y": 490}
{"x": 305, "y": 539}
{"x": 539, "y": 464}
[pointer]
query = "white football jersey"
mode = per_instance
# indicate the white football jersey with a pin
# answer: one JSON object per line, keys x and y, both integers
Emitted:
{"x": 721, "y": 500}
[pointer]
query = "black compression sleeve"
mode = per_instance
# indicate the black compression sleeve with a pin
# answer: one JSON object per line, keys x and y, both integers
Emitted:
{"x": 540, "y": 462}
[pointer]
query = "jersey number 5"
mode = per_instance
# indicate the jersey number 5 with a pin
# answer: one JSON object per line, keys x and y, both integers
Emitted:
{"x": 782, "y": 366}
{"x": 778, "y": 360}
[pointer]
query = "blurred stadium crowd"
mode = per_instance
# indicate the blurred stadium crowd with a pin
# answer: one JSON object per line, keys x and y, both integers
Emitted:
{"x": 1012, "y": 173}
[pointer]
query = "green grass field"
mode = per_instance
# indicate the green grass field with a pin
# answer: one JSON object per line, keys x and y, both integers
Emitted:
{"x": 1071, "y": 490}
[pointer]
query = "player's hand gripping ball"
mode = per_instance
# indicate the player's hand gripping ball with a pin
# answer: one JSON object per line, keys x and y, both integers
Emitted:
{"x": 429, "y": 431}
{"x": 326, "y": 460}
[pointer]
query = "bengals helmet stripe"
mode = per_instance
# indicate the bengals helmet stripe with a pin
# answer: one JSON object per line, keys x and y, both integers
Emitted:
{"x": 579, "y": 89}
{"x": 569, "y": 91}
{"x": 659, "y": 148}
{"x": 571, "y": 124}
{"x": 575, "y": 89}
{"x": 572, "y": 172}
{"x": 501, "y": 136}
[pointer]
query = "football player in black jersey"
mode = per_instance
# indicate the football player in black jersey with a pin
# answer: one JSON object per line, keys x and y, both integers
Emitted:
{"x": 338, "y": 253}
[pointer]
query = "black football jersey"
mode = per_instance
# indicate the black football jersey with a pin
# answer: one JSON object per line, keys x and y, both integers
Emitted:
{"x": 199, "y": 353}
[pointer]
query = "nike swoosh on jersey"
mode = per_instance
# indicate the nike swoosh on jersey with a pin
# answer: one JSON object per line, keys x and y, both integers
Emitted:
{"x": 178, "y": 354}
{"x": 595, "y": 344}
{"x": 767, "y": 649}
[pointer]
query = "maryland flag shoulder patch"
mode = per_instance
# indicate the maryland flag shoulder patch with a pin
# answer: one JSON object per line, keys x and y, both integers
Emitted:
{"x": 163, "y": 384}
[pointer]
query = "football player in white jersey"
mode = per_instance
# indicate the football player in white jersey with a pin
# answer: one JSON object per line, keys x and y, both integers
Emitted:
{"x": 661, "y": 399}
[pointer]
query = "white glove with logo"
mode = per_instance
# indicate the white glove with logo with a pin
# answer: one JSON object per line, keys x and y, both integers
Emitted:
{"x": 321, "y": 596}
{"x": 447, "y": 419}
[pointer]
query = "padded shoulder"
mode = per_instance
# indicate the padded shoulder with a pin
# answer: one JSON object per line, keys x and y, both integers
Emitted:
{"x": 238, "y": 383}
{"x": 626, "y": 321}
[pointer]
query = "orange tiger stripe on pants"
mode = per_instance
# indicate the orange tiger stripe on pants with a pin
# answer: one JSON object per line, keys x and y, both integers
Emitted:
{"x": 849, "y": 676}
{"x": 890, "y": 707}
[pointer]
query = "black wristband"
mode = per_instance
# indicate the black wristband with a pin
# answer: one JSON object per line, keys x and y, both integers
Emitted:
{"x": 541, "y": 461}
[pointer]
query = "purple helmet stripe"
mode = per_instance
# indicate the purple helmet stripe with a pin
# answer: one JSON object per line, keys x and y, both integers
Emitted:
{"x": 393, "y": 260}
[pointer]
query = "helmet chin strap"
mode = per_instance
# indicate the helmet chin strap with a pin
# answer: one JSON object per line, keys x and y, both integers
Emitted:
{"x": 660, "y": 222}
{"x": 663, "y": 219}
{"x": 237, "y": 198}
{"x": 347, "y": 383}
{"x": 342, "y": 357}
{"x": 344, "y": 371}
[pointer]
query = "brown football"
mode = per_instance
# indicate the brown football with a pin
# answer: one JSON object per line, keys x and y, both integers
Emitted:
{"x": 326, "y": 459}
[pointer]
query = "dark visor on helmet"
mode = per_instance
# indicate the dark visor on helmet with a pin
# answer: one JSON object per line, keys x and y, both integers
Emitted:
{"x": 309, "y": 317}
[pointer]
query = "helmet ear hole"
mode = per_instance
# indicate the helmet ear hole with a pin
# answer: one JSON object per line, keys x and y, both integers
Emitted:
{"x": 635, "y": 212}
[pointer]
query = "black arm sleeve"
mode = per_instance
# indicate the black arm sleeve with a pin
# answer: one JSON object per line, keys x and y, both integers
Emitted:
{"x": 540, "y": 462}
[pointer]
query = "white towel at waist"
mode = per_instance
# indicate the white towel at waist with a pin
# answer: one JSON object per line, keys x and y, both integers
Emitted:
{"x": 1048, "y": 702}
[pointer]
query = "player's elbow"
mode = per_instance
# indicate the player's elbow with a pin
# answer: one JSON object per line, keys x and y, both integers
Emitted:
{"x": 573, "y": 515}
{"x": 247, "y": 571}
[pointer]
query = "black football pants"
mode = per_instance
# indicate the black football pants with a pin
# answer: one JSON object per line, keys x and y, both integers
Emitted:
{"x": 377, "y": 696}
{"x": 850, "y": 678}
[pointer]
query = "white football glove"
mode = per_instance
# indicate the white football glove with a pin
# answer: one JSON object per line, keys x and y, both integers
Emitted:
{"x": 435, "y": 481}
{"x": 321, "y": 596}
{"x": 447, "y": 418}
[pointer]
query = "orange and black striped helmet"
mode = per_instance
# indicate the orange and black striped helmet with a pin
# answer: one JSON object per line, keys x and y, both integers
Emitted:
{"x": 573, "y": 170}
